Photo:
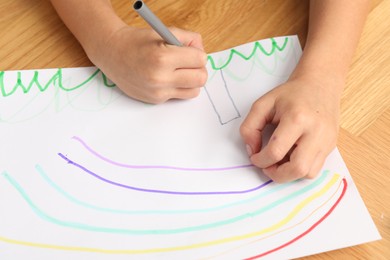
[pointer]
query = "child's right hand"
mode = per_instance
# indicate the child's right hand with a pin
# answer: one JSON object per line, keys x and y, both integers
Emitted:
{"x": 146, "y": 68}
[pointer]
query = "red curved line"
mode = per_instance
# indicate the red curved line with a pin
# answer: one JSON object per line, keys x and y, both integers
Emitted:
{"x": 308, "y": 230}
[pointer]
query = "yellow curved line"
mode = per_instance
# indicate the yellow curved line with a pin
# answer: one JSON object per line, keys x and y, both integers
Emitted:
{"x": 278, "y": 232}
{"x": 289, "y": 217}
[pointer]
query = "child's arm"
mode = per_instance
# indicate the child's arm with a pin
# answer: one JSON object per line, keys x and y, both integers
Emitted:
{"x": 306, "y": 107}
{"x": 137, "y": 60}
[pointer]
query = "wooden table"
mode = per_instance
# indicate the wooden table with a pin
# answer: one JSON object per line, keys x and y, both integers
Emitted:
{"x": 32, "y": 36}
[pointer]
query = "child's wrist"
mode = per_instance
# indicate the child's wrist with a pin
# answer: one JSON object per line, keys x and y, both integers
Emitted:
{"x": 98, "y": 31}
{"x": 313, "y": 78}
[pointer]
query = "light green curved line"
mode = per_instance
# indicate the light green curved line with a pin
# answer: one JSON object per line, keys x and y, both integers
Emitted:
{"x": 257, "y": 46}
{"x": 22, "y": 109}
{"x": 56, "y": 79}
{"x": 70, "y": 100}
{"x": 258, "y": 63}
{"x": 99, "y": 90}
{"x": 82, "y": 226}
{"x": 58, "y": 76}
{"x": 42, "y": 87}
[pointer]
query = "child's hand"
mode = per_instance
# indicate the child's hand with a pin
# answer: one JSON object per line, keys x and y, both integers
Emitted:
{"x": 306, "y": 113}
{"x": 145, "y": 68}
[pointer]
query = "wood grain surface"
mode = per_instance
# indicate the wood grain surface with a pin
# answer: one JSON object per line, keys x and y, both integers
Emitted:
{"x": 32, "y": 37}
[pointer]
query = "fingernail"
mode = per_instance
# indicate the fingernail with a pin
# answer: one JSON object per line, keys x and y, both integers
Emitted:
{"x": 249, "y": 150}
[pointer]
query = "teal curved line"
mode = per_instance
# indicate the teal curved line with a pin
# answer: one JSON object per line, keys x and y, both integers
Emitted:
{"x": 86, "y": 227}
{"x": 140, "y": 212}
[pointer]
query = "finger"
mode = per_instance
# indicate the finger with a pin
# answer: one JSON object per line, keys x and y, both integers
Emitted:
{"x": 282, "y": 140}
{"x": 188, "y": 38}
{"x": 253, "y": 125}
{"x": 187, "y": 58}
{"x": 184, "y": 93}
{"x": 320, "y": 151}
{"x": 161, "y": 96}
{"x": 300, "y": 164}
{"x": 189, "y": 78}
{"x": 317, "y": 165}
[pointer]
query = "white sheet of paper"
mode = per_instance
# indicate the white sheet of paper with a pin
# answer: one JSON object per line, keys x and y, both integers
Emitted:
{"x": 88, "y": 173}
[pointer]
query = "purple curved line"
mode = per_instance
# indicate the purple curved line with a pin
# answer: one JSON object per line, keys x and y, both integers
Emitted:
{"x": 156, "y": 166}
{"x": 161, "y": 191}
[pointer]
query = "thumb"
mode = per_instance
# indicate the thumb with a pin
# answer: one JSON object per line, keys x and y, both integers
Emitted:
{"x": 188, "y": 38}
{"x": 252, "y": 128}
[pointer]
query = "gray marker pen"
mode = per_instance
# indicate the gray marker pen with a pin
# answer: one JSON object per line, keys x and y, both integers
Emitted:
{"x": 143, "y": 10}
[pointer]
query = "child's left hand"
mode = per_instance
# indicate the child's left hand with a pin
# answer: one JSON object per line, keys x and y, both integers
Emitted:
{"x": 306, "y": 112}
